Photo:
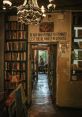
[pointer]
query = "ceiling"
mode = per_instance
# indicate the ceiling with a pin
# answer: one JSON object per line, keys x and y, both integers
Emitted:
{"x": 64, "y": 4}
{"x": 60, "y": 4}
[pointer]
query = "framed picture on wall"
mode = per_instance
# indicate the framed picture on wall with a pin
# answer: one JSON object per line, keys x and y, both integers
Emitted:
{"x": 46, "y": 27}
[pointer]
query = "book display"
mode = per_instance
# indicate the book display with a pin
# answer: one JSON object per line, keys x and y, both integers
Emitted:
{"x": 15, "y": 54}
{"x": 77, "y": 47}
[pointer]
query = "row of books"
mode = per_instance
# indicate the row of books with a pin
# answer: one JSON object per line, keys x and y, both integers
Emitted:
{"x": 77, "y": 45}
{"x": 11, "y": 86}
{"x": 79, "y": 33}
{"x": 14, "y": 26}
{"x": 77, "y": 55}
{"x": 16, "y": 35}
{"x": 15, "y": 46}
{"x": 80, "y": 55}
{"x": 15, "y": 66}
{"x": 15, "y": 56}
{"x": 20, "y": 76}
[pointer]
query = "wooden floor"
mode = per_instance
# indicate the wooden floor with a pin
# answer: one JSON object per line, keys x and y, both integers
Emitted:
{"x": 42, "y": 104}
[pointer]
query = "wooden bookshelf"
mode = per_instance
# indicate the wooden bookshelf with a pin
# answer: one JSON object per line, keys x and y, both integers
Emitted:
{"x": 15, "y": 54}
{"x": 76, "y": 68}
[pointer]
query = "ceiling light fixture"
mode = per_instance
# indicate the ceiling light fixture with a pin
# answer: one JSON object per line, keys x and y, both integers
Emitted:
{"x": 27, "y": 13}
{"x": 30, "y": 13}
{"x": 51, "y": 6}
{"x": 6, "y": 4}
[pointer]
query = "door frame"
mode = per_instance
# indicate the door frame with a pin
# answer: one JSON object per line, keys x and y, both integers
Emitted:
{"x": 29, "y": 60}
{"x": 53, "y": 70}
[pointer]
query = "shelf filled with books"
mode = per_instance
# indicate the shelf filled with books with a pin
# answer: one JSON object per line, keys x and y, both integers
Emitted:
{"x": 15, "y": 54}
{"x": 77, "y": 48}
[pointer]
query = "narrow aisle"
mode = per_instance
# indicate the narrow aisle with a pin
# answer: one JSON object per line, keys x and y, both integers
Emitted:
{"x": 41, "y": 100}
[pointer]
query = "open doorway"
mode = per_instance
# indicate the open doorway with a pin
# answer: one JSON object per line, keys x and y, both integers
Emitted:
{"x": 43, "y": 61}
{"x": 43, "y": 75}
{"x": 40, "y": 64}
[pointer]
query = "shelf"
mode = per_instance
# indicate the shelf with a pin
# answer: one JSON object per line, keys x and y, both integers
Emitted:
{"x": 15, "y": 40}
{"x": 15, "y": 51}
{"x": 13, "y": 61}
{"x": 77, "y": 38}
{"x": 76, "y": 67}
{"x": 15, "y": 54}
{"x": 15, "y": 70}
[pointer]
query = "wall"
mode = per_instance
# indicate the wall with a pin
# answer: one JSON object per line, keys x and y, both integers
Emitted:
{"x": 1, "y": 52}
{"x": 68, "y": 93}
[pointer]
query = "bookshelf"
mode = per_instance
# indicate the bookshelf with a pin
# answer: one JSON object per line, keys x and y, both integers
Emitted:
{"x": 77, "y": 47}
{"x": 15, "y": 54}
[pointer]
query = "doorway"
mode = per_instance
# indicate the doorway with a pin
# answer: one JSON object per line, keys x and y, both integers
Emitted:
{"x": 48, "y": 52}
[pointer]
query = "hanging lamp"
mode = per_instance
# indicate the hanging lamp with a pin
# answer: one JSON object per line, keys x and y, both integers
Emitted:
{"x": 30, "y": 13}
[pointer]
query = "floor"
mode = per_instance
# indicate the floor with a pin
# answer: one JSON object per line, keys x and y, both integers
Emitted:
{"x": 42, "y": 104}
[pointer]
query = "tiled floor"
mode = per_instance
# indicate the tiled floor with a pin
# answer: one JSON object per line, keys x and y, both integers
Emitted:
{"x": 42, "y": 105}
